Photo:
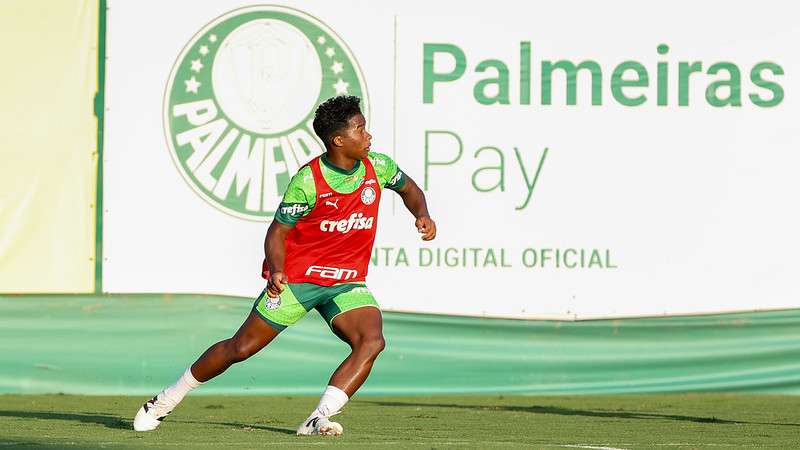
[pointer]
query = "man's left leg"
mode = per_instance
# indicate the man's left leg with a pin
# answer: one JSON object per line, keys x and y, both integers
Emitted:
{"x": 362, "y": 329}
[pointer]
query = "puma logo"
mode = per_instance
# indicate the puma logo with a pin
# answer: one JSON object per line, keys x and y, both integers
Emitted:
{"x": 313, "y": 422}
{"x": 334, "y": 204}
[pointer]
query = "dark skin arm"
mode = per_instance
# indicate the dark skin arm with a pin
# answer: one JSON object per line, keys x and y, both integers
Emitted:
{"x": 414, "y": 200}
{"x": 275, "y": 250}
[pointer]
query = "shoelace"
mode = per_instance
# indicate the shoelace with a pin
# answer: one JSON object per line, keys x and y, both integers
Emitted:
{"x": 160, "y": 406}
{"x": 328, "y": 415}
{"x": 321, "y": 416}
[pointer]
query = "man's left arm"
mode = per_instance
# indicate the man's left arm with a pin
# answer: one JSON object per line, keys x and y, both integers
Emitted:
{"x": 414, "y": 199}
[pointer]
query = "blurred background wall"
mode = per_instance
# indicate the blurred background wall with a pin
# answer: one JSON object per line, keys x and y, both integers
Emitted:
{"x": 606, "y": 183}
{"x": 48, "y": 145}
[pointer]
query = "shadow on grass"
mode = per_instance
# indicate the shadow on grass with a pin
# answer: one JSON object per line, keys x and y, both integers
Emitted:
{"x": 44, "y": 445}
{"x": 243, "y": 426}
{"x": 100, "y": 419}
{"x": 118, "y": 423}
{"x": 580, "y": 412}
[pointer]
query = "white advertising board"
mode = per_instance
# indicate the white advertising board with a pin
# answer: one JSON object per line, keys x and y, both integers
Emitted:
{"x": 581, "y": 161}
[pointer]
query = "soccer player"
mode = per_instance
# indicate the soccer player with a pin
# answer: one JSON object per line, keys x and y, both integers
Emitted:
{"x": 317, "y": 250}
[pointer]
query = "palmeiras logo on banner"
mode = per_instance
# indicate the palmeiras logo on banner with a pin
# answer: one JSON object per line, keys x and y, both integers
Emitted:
{"x": 240, "y": 101}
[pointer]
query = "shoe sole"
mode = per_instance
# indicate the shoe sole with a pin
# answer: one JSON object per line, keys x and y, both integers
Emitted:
{"x": 329, "y": 431}
{"x": 323, "y": 431}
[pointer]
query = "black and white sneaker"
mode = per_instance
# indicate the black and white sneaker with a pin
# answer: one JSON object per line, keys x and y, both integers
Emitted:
{"x": 150, "y": 415}
{"x": 317, "y": 424}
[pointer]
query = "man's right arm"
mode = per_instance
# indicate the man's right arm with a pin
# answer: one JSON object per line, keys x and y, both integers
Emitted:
{"x": 275, "y": 252}
{"x": 297, "y": 202}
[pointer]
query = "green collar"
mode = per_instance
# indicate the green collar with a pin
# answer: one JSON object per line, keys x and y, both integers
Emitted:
{"x": 338, "y": 169}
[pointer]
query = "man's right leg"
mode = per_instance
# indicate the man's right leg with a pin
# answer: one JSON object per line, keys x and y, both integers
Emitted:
{"x": 254, "y": 334}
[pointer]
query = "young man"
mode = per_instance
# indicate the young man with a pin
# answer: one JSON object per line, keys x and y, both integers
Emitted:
{"x": 317, "y": 255}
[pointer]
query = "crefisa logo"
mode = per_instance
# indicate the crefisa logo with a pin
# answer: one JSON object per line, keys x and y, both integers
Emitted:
{"x": 240, "y": 101}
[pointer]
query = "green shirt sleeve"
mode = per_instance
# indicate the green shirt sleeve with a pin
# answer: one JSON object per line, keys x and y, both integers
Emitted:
{"x": 299, "y": 199}
{"x": 389, "y": 175}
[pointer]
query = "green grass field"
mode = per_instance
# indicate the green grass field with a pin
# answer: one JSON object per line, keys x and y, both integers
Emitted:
{"x": 631, "y": 422}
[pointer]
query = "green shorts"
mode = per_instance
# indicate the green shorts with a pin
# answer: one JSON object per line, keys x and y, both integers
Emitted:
{"x": 299, "y": 298}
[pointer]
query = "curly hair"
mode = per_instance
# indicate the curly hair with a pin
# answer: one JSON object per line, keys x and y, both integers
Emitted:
{"x": 332, "y": 116}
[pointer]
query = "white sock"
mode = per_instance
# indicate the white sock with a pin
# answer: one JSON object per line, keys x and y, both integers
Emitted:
{"x": 175, "y": 393}
{"x": 332, "y": 401}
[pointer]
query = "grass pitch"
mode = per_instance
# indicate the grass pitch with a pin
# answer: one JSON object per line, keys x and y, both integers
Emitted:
{"x": 630, "y": 422}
